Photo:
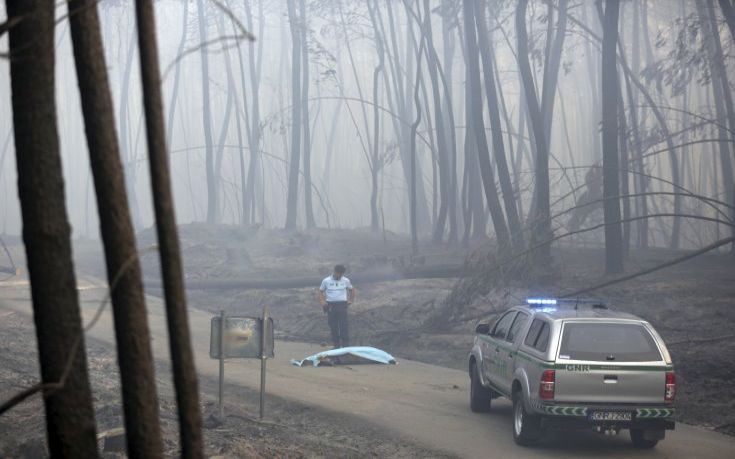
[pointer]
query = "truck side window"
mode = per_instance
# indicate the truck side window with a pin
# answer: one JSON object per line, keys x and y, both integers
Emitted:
{"x": 518, "y": 323}
{"x": 503, "y": 325}
{"x": 533, "y": 333}
{"x": 538, "y": 335}
{"x": 543, "y": 338}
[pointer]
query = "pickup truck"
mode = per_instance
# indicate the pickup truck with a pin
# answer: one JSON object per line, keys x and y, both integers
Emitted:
{"x": 574, "y": 364}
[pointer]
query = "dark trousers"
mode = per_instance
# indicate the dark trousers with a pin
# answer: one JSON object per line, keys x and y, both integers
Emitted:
{"x": 337, "y": 318}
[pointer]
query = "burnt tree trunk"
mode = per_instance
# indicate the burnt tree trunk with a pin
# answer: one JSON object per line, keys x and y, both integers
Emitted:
{"x": 182, "y": 355}
{"x": 610, "y": 158}
{"x": 70, "y": 422}
{"x": 135, "y": 356}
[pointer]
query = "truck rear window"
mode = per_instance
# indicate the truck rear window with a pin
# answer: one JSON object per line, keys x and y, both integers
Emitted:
{"x": 608, "y": 342}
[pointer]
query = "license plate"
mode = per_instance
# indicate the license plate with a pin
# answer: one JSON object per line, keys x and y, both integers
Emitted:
{"x": 611, "y": 416}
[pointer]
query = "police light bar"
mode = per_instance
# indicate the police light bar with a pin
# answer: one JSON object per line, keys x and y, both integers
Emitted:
{"x": 541, "y": 301}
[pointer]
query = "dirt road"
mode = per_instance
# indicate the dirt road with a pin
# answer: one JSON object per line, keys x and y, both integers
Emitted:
{"x": 425, "y": 403}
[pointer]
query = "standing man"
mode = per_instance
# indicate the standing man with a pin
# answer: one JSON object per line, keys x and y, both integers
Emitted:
{"x": 335, "y": 294}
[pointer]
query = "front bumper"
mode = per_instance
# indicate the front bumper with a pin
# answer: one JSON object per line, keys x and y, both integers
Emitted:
{"x": 578, "y": 417}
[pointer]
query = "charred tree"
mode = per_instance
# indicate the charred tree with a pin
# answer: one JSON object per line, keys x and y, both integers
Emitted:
{"x": 135, "y": 356}
{"x": 610, "y": 157}
{"x": 177, "y": 321}
{"x": 70, "y": 422}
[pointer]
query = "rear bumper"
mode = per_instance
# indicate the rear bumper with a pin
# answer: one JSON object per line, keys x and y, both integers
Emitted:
{"x": 581, "y": 423}
{"x": 578, "y": 416}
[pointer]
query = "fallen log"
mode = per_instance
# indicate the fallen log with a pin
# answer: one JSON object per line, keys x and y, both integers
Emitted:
{"x": 366, "y": 277}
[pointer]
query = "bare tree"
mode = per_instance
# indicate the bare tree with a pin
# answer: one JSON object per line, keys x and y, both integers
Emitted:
{"x": 541, "y": 222}
{"x": 70, "y": 423}
{"x": 478, "y": 127}
{"x": 134, "y": 353}
{"x": 182, "y": 356}
{"x": 209, "y": 155}
{"x": 610, "y": 158}
{"x": 296, "y": 113}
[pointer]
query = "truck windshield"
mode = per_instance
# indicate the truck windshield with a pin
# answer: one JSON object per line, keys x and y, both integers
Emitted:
{"x": 608, "y": 342}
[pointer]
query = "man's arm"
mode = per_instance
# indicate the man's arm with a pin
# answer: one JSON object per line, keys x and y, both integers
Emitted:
{"x": 322, "y": 298}
{"x": 353, "y": 295}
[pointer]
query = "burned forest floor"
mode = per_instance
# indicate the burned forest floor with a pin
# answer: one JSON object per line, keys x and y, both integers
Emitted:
{"x": 430, "y": 320}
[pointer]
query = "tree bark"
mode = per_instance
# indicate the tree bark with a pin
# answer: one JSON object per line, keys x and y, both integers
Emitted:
{"x": 610, "y": 158}
{"x": 182, "y": 356}
{"x": 70, "y": 422}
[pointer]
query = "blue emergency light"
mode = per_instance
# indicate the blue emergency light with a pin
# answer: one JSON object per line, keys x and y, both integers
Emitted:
{"x": 544, "y": 301}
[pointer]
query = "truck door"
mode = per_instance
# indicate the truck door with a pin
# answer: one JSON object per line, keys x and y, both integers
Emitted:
{"x": 512, "y": 340}
{"x": 495, "y": 356}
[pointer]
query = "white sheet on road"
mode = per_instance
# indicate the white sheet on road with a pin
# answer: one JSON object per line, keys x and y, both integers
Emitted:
{"x": 351, "y": 355}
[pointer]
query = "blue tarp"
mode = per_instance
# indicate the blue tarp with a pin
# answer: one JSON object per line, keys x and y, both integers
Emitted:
{"x": 347, "y": 355}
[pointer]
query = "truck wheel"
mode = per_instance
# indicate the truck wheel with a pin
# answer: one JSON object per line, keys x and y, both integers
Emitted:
{"x": 637, "y": 436}
{"x": 526, "y": 426}
{"x": 480, "y": 396}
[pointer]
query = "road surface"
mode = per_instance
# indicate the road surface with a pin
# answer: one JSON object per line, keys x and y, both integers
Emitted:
{"x": 424, "y": 403}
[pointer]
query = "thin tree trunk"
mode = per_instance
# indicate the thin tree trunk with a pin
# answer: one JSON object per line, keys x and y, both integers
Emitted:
{"x": 177, "y": 75}
{"x": 309, "y": 213}
{"x": 610, "y": 159}
{"x": 70, "y": 422}
{"x": 212, "y": 196}
{"x": 375, "y": 163}
{"x": 296, "y": 111}
{"x": 255, "y": 68}
{"x": 551, "y": 69}
{"x": 506, "y": 186}
{"x": 478, "y": 125}
{"x": 177, "y": 321}
{"x": 541, "y": 222}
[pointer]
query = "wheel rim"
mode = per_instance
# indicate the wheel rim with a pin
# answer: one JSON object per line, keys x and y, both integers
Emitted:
{"x": 518, "y": 417}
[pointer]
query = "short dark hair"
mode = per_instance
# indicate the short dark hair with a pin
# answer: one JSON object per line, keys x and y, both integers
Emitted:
{"x": 340, "y": 269}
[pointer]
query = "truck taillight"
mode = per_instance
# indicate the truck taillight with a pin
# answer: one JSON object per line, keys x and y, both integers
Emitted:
{"x": 670, "y": 391}
{"x": 546, "y": 386}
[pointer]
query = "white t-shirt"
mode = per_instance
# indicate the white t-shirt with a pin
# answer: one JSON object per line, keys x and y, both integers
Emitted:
{"x": 335, "y": 290}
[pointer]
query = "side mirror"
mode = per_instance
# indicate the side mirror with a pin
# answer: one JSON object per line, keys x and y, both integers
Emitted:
{"x": 482, "y": 329}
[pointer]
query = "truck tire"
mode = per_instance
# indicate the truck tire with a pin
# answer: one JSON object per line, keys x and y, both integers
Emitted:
{"x": 637, "y": 436}
{"x": 480, "y": 396}
{"x": 526, "y": 426}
